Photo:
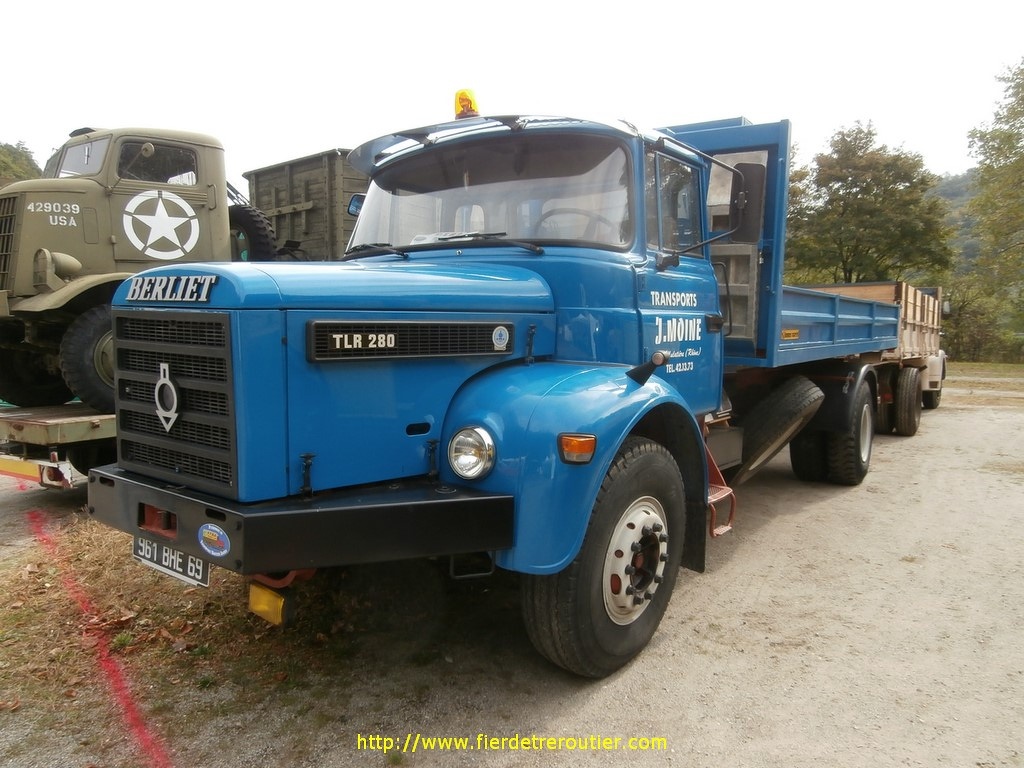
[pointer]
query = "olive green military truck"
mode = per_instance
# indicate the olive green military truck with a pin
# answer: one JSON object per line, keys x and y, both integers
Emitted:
{"x": 110, "y": 203}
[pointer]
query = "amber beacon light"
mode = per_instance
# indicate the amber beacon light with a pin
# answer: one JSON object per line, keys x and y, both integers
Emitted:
{"x": 465, "y": 104}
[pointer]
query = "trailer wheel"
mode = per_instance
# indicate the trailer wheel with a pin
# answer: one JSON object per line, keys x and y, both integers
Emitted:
{"x": 773, "y": 422}
{"x": 931, "y": 398}
{"x": 87, "y": 358}
{"x": 252, "y": 234}
{"x": 907, "y": 405}
{"x": 808, "y": 456}
{"x": 600, "y": 611}
{"x": 849, "y": 451}
{"x": 27, "y": 380}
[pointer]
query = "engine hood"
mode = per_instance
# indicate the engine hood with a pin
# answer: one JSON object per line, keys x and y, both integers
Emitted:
{"x": 340, "y": 286}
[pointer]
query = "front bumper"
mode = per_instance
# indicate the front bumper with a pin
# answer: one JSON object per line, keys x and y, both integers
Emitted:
{"x": 405, "y": 519}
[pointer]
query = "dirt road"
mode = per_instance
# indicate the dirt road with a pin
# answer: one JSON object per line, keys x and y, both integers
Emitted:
{"x": 872, "y": 626}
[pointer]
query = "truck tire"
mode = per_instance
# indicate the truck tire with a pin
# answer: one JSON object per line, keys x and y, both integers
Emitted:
{"x": 774, "y": 420}
{"x": 932, "y": 397}
{"x": 252, "y": 234}
{"x": 907, "y": 402}
{"x": 600, "y": 611}
{"x": 808, "y": 456}
{"x": 849, "y": 451}
{"x": 884, "y": 419}
{"x": 92, "y": 453}
{"x": 87, "y": 358}
{"x": 27, "y": 380}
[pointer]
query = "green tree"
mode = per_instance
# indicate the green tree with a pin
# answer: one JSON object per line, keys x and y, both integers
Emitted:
{"x": 866, "y": 212}
{"x": 16, "y": 163}
{"x": 998, "y": 204}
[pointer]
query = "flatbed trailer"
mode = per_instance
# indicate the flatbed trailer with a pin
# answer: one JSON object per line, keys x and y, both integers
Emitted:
{"x": 54, "y": 446}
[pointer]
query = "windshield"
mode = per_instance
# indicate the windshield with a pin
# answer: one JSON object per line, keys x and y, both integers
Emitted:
{"x": 547, "y": 187}
{"x": 78, "y": 159}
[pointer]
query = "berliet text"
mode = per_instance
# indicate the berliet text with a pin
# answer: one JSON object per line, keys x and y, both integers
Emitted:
{"x": 192, "y": 288}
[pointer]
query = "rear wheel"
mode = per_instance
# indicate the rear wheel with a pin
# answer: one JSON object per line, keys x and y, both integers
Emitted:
{"x": 849, "y": 451}
{"x": 87, "y": 358}
{"x": 807, "y": 456}
{"x": 31, "y": 379}
{"x": 907, "y": 402}
{"x": 599, "y": 612}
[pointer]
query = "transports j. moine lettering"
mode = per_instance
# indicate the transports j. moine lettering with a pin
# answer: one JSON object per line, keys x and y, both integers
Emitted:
{"x": 192, "y": 288}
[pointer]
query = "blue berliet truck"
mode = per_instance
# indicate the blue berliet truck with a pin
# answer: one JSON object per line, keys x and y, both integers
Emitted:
{"x": 554, "y": 341}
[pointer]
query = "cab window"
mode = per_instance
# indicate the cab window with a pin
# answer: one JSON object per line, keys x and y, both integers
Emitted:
{"x": 673, "y": 222}
{"x": 157, "y": 163}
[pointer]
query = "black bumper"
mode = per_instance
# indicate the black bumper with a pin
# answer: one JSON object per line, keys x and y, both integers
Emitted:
{"x": 407, "y": 519}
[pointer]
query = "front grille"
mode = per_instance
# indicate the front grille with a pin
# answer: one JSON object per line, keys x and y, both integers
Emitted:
{"x": 174, "y": 406}
{"x": 8, "y": 208}
{"x": 330, "y": 340}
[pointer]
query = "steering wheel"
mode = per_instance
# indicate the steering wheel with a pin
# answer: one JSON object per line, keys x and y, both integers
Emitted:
{"x": 593, "y": 219}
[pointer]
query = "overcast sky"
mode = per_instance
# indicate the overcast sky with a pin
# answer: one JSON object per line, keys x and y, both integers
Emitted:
{"x": 276, "y": 81}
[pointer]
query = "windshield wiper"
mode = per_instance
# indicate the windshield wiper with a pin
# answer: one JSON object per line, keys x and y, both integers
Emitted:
{"x": 492, "y": 238}
{"x": 369, "y": 249}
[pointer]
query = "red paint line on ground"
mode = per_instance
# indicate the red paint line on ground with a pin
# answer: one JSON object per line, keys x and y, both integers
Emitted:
{"x": 148, "y": 743}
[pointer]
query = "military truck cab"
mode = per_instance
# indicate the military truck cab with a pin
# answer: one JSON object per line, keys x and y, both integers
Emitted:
{"x": 110, "y": 203}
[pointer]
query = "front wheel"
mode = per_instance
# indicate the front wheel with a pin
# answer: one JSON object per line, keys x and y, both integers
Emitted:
{"x": 599, "y": 612}
{"x": 87, "y": 358}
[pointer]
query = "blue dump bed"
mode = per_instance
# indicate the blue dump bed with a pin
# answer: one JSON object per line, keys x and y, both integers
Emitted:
{"x": 813, "y": 325}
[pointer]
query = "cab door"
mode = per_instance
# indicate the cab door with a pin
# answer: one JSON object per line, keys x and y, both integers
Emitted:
{"x": 159, "y": 204}
{"x": 678, "y": 293}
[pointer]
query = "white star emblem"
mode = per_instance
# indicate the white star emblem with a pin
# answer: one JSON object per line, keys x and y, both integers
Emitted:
{"x": 162, "y": 238}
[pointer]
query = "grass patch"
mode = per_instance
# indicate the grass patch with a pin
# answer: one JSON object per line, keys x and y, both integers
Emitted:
{"x": 168, "y": 635}
{"x": 984, "y": 370}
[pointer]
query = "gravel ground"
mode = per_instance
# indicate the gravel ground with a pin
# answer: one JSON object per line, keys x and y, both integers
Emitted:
{"x": 872, "y": 626}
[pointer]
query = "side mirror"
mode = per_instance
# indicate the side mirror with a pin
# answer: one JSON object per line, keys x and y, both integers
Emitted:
{"x": 746, "y": 203}
{"x": 355, "y": 205}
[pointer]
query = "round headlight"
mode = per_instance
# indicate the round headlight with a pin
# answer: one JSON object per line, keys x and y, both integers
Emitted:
{"x": 471, "y": 453}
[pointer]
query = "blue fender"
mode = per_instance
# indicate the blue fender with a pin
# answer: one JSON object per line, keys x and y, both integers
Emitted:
{"x": 526, "y": 407}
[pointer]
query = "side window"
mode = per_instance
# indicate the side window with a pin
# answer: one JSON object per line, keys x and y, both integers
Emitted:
{"x": 157, "y": 163}
{"x": 673, "y": 219}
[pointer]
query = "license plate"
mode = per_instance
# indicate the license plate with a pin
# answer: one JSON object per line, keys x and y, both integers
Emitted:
{"x": 173, "y": 562}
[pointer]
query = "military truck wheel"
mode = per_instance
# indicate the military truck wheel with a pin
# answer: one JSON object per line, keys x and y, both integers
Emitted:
{"x": 87, "y": 358}
{"x": 849, "y": 451}
{"x": 907, "y": 402}
{"x": 252, "y": 234}
{"x": 27, "y": 380}
{"x": 600, "y": 611}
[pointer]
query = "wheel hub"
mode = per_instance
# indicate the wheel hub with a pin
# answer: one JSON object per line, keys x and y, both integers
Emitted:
{"x": 635, "y": 562}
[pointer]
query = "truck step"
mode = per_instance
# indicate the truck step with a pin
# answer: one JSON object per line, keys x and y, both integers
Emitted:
{"x": 718, "y": 490}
